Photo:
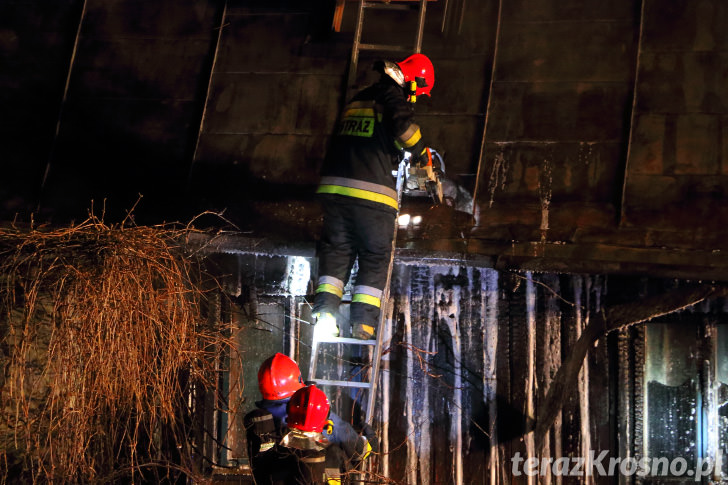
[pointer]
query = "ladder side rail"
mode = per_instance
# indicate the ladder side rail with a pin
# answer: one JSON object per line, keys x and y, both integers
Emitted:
{"x": 354, "y": 61}
{"x": 313, "y": 360}
{"x": 420, "y": 26}
{"x": 377, "y": 357}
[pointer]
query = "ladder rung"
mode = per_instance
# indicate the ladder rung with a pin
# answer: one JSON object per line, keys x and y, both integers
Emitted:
{"x": 346, "y": 340}
{"x": 389, "y": 6}
{"x": 384, "y": 47}
{"x": 326, "y": 382}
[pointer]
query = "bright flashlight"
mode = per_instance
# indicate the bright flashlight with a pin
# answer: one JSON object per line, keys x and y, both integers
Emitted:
{"x": 403, "y": 220}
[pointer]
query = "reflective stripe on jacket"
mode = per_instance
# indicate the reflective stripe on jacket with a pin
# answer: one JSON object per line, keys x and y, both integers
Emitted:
{"x": 359, "y": 189}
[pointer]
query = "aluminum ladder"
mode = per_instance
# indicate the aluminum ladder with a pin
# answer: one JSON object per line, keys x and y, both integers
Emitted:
{"x": 370, "y": 385}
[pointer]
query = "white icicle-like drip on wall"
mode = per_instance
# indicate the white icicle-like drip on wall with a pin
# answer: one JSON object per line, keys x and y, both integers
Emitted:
{"x": 489, "y": 312}
{"x": 498, "y": 173}
{"x": 530, "y": 363}
{"x": 582, "y": 286}
{"x": 409, "y": 404}
{"x": 295, "y": 283}
{"x": 416, "y": 306}
{"x": 545, "y": 181}
{"x": 551, "y": 355}
{"x": 448, "y": 312}
{"x": 424, "y": 442}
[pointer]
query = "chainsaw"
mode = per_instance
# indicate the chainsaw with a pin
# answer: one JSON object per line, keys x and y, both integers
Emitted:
{"x": 424, "y": 181}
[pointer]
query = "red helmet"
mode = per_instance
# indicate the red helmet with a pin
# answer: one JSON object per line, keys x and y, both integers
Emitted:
{"x": 418, "y": 68}
{"x": 279, "y": 377}
{"x": 308, "y": 409}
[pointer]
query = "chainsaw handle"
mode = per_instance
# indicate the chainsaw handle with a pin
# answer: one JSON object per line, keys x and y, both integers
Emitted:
{"x": 427, "y": 155}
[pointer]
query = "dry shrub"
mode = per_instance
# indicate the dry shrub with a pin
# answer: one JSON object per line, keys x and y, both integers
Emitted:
{"x": 102, "y": 337}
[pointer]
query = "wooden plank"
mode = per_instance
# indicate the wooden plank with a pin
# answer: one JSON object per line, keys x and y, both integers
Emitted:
{"x": 338, "y": 15}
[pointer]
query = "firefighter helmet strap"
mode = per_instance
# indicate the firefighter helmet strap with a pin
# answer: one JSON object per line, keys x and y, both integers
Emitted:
{"x": 411, "y": 90}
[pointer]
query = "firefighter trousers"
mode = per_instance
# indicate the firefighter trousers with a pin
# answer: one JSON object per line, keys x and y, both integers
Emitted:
{"x": 354, "y": 231}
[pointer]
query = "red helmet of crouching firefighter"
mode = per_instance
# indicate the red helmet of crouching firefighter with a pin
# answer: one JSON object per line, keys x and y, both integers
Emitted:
{"x": 308, "y": 413}
{"x": 308, "y": 409}
{"x": 279, "y": 377}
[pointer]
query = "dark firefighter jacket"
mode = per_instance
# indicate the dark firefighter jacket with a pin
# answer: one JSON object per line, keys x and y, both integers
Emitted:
{"x": 274, "y": 464}
{"x": 375, "y": 126}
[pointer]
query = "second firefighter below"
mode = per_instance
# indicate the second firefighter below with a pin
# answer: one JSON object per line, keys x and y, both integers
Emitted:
{"x": 291, "y": 434}
{"x": 359, "y": 195}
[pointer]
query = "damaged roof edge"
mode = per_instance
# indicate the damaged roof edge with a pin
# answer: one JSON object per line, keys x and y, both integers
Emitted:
{"x": 236, "y": 243}
{"x": 536, "y": 257}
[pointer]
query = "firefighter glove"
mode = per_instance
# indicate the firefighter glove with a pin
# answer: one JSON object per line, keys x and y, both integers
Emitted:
{"x": 372, "y": 438}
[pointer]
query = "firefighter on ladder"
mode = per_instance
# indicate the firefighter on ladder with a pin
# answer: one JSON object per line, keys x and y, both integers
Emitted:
{"x": 360, "y": 201}
{"x": 275, "y": 428}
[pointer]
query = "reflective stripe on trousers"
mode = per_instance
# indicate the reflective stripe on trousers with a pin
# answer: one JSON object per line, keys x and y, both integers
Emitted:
{"x": 368, "y": 295}
{"x": 330, "y": 284}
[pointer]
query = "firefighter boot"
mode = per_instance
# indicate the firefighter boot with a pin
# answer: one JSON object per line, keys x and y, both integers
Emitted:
{"x": 325, "y": 325}
{"x": 362, "y": 331}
